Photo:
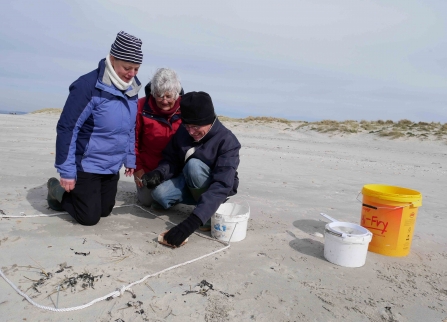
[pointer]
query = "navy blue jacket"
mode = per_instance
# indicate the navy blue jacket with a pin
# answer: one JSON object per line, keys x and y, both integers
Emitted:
{"x": 219, "y": 149}
{"x": 96, "y": 130}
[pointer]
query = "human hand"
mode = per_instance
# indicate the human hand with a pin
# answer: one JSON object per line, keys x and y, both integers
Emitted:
{"x": 177, "y": 235}
{"x": 68, "y": 184}
{"x": 128, "y": 172}
{"x": 151, "y": 179}
{"x": 137, "y": 177}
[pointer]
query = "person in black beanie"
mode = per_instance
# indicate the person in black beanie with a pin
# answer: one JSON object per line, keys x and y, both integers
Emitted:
{"x": 199, "y": 167}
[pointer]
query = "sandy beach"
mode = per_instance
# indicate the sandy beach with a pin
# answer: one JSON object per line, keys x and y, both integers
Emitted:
{"x": 288, "y": 176}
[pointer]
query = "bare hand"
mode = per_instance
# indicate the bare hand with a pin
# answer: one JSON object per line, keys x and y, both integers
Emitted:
{"x": 128, "y": 172}
{"x": 68, "y": 184}
{"x": 137, "y": 176}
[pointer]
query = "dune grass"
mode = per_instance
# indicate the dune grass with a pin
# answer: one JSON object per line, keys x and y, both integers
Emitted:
{"x": 48, "y": 111}
{"x": 387, "y": 129}
{"x": 383, "y": 128}
{"x": 259, "y": 119}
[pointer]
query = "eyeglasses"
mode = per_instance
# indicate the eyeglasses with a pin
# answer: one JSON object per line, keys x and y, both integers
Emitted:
{"x": 168, "y": 97}
{"x": 192, "y": 127}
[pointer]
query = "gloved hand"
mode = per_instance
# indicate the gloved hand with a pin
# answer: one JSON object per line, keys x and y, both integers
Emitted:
{"x": 152, "y": 179}
{"x": 177, "y": 235}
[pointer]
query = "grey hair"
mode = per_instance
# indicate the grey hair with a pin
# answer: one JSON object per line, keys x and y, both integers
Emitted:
{"x": 165, "y": 80}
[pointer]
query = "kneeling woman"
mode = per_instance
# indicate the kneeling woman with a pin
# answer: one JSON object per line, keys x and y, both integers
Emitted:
{"x": 96, "y": 134}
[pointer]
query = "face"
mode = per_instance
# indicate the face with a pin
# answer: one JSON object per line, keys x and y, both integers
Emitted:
{"x": 166, "y": 101}
{"x": 197, "y": 131}
{"x": 125, "y": 70}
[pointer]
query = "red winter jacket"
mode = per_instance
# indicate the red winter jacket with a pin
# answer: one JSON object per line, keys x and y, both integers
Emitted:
{"x": 153, "y": 132}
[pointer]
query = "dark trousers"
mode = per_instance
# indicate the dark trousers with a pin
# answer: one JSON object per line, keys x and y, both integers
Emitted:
{"x": 92, "y": 198}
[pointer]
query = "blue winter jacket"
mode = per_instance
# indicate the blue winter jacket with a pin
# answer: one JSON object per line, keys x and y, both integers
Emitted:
{"x": 219, "y": 150}
{"x": 96, "y": 130}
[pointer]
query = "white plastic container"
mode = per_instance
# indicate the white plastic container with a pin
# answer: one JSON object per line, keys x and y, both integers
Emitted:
{"x": 346, "y": 244}
{"x": 229, "y": 223}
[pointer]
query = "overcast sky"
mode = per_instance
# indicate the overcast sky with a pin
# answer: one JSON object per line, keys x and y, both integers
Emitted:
{"x": 297, "y": 59}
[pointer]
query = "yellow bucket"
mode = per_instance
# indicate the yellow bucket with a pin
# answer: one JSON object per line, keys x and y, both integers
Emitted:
{"x": 390, "y": 214}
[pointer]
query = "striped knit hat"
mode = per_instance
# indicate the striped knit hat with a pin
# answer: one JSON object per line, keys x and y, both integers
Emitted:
{"x": 127, "y": 47}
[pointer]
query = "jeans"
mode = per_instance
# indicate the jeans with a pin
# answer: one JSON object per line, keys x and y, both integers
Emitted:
{"x": 195, "y": 175}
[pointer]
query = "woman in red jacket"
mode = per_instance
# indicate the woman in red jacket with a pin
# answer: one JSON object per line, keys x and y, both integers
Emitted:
{"x": 158, "y": 118}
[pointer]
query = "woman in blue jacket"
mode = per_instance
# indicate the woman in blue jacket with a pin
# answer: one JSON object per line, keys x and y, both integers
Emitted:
{"x": 96, "y": 134}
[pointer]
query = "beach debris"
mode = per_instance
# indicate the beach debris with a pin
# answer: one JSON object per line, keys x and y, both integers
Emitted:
{"x": 119, "y": 249}
{"x": 86, "y": 280}
{"x": 39, "y": 282}
{"x": 204, "y": 287}
{"x": 63, "y": 266}
{"x": 80, "y": 253}
{"x": 3, "y": 240}
{"x": 152, "y": 288}
{"x": 2, "y": 212}
{"x": 226, "y": 294}
{"x": 134, "y": 296}
{"x": 40, "y": 267}
{"x": 57, "y": 301}
{"x": 135, "y": 304}
{"x": 85, "y": 239}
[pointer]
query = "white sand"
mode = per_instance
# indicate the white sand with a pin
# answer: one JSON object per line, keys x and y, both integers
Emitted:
{"x": 278, "y": 273}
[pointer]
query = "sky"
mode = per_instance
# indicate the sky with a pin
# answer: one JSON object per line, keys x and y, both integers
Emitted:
{"x": 305, "y": 60}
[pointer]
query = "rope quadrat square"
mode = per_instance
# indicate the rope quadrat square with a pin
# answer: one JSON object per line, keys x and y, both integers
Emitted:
{"x": 119, "y": 291}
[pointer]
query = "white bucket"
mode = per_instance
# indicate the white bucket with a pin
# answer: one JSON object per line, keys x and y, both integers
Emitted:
{"x": 229, "y": 223}
{"x": 346, "y": 244}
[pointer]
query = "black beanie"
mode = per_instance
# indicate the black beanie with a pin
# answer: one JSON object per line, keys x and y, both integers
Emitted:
{"x": 197, "y": 108}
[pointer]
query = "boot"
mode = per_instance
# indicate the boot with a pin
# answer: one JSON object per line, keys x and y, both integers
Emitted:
{"x": 55, "y": 194}
{"x": 206, "y": 226}
{"x": 196, "y": 193}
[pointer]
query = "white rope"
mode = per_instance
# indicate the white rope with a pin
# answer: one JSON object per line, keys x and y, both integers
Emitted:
{"x": 119, "y": 291}
{"x": 23, "y": 215}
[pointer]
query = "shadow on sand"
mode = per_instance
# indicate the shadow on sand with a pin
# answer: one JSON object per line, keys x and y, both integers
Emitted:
{"x": 308, "y": 246}
{"x": 126, "y": 195}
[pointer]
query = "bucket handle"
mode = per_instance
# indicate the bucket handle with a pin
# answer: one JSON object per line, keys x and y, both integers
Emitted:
{"x": 234, "y": 229}
{"x": 328, "y": 217}
{"x": 342, "y": 235}
{"x": 376, "y": 207}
